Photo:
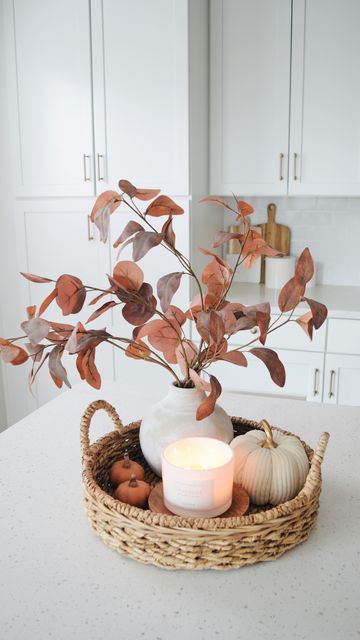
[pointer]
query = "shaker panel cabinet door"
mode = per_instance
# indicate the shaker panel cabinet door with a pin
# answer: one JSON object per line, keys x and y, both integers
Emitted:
{"x": 140, "y": 54}
{"x": 249, "y": 96}
{"x": 50, "y": 80}
{"x": 342, "y": 380}
{"x": 324, "y": 157}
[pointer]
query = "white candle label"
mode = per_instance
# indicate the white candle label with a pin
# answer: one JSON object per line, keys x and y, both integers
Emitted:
{"x": 192, "y": 495}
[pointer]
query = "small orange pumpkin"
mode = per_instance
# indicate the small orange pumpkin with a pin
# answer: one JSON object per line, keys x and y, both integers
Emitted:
{"x": 134, "y": 492}
{"x": 122, "y": 470}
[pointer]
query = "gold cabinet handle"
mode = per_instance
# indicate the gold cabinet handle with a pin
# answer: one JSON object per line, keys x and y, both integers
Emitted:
{"x": 316, "y": 382}
{"x": 89, "y": 230}
{"x": 281, "y": 177}
{"x": 86, "y": 159}
{"x": 332, "y": 378}
{"x": 296, "y": 177}
{"x": 100, "y": 157}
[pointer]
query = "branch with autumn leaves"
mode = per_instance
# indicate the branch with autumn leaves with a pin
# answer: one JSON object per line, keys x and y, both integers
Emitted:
{"x": 158, "y": 334}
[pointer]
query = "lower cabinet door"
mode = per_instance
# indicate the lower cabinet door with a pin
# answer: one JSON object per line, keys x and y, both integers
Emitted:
{"x": 304, "y": 376}
{"x": 342, "y": 379}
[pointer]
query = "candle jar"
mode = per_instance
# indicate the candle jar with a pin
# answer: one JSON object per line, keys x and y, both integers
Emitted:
{"x": 198, "y": 475}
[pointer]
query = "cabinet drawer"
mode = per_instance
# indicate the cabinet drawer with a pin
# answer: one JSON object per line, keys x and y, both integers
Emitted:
{"x": 343, "y": 336}
{"x": 290, "y": 336}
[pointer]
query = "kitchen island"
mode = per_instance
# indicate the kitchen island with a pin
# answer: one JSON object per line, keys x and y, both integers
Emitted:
{"x": 59, "y": 581}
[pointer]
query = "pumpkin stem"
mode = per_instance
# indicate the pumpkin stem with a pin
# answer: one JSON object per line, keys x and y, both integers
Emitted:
{"x": 268, "y": 443}
{"x": 126, "y": 463}
{"x": 133, "y": 481}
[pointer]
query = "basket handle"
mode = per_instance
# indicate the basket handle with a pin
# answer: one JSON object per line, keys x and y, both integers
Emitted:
{"x": 314, "y": 474}
{"x": 87, "y": 417}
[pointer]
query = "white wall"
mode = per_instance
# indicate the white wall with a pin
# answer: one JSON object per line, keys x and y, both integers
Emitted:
{"x": 330, "y": 227}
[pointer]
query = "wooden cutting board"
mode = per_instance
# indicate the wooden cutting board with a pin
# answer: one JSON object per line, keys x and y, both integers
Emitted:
{"x": 276, "y": 235}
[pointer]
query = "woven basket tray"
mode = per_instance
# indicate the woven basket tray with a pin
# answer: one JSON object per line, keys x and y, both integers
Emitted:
{"x": 175, "y": 542}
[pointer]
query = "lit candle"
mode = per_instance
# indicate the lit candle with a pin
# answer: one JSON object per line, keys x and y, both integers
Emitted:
{"x": 197, "y": 475}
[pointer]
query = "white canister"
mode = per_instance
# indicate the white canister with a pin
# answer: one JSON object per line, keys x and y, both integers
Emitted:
{"x": 198, "y": 476}
{"x": 278, "y": 270}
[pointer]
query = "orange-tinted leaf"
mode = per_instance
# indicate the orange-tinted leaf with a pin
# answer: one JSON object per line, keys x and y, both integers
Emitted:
{"x": 33, "y": 278}
{"x": 128, "y": 275}
{"x": 137, "y": 313}
{"x": 185, "y": 354}
{"x": 138, "y": 350}
{"x": 161, "y": 335}
{"x": 89, "y": 369}
{"x": 146, "y": 194}
{"x": 168, "y": 232}
{"x": 244, "y": 209}
{"x": 219, "y": 260}
{"x": 31, "y": 311}
{"x": 291, "y": 294}
{"x": 255, "y": 246}
{"x": 236, "y": 357}
{"x": 101, "y": 295}
{"x": 163, "y": 206}
{"x": 79, "y": 366}
{"x": 274, "y": 365}
{"x": 127, "y": 187}
{"x": 216, "y": 200}
{"x": 207, "y": 407}
{"x": 131, "y": 228}
{"x": 167, "y": 286}
{"x": 318, "y": 310}
{"x": 304, "y": 270}
{"x": 263, "y": 321}
{"x": 110, "y": 199}
{"x": 71, "y": 294}
{"x": 46, "y": 303}
{"x": 101, "y": 310}
{"x": 217, "y": 278}
{"x": 175, "y": 314}
{"x": 224, "y": 236}
{"x": 306, "y": 323}
{"x": 11, "y": 353}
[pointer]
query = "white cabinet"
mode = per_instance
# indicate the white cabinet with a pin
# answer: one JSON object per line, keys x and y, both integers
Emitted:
{"x": 249, "y": 99}
{"x": 141, "y": 92}
{"x": 304, "y": 376}
{"x": 342, "y": 379}
{"x": 52, "y": 240}
{"x": 325, "y": 98}
{"x": 99, "y": 92}
{"x": 50, "y": 77}
{"x": 254, "y": 97}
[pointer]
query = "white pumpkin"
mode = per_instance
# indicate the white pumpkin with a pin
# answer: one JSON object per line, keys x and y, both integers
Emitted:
{"x": 271, "y": 466}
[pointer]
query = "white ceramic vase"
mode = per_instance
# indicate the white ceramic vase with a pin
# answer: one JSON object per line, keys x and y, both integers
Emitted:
{"x": 174, "y": 417}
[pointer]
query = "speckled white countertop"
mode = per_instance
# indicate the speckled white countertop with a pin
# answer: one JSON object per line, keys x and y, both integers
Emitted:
{"x": 341, "y": 301}
{"x": 59, "y": 581}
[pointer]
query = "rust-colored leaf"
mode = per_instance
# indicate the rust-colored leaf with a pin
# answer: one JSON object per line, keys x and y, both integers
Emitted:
{"x": 146, "y": 194}
{"x": 163, "y": 206}
{"x": 318, "y": 310}
{"x": 255, "y": 246}
{"x": 161, "y": 335}
{"x": 33, "y": 278}
{"x": 129, "y": 230}
{"x": 186, "y": 351}
{"x": 11, "y": 353}
{"x": 216, "y": 277}
{"x": 143, "y": 241}
{"x": 110, "y": 199}
{"x": 138, "y": 350}
{"x": 127, "y": 187}
{"x": 207, "y": 407}
{"x": 274, "y": 365}
{"x": 176, "y": 315}
{"x": 128, "y": 275}
{"x": 47, "y": 302}
{"x": 199, "y": 382}
{"x": 91, "y": 374}
{"x": 216, "y": 200}
{"x": 224, "y": 236}
{"x": 30, "y": 311}
{"x": 101, "y": 310}
{"x": 244, "y": 209}
{"x": 167, "y": 286}
{"x": 306, "y": 323}
{"x": 263, "y": 321}
{"x": 291, "y": 294}
{"x": 304, "y": 269}
{"x": 168, "y": 232}
{"x": 101, "y": 295}
{"x": 236, "y": 357}
{"x": 71, "y": 294}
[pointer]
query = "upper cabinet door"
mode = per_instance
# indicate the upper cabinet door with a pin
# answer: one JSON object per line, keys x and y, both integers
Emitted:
{"x": 249, "y": 99}
{"x": 140, "y": 54}
{"x": 325, "y": 99}
{"x": 51, "y": 84}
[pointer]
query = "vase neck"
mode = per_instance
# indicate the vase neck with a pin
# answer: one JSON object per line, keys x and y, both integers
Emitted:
{"x": 185, "y": 398}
